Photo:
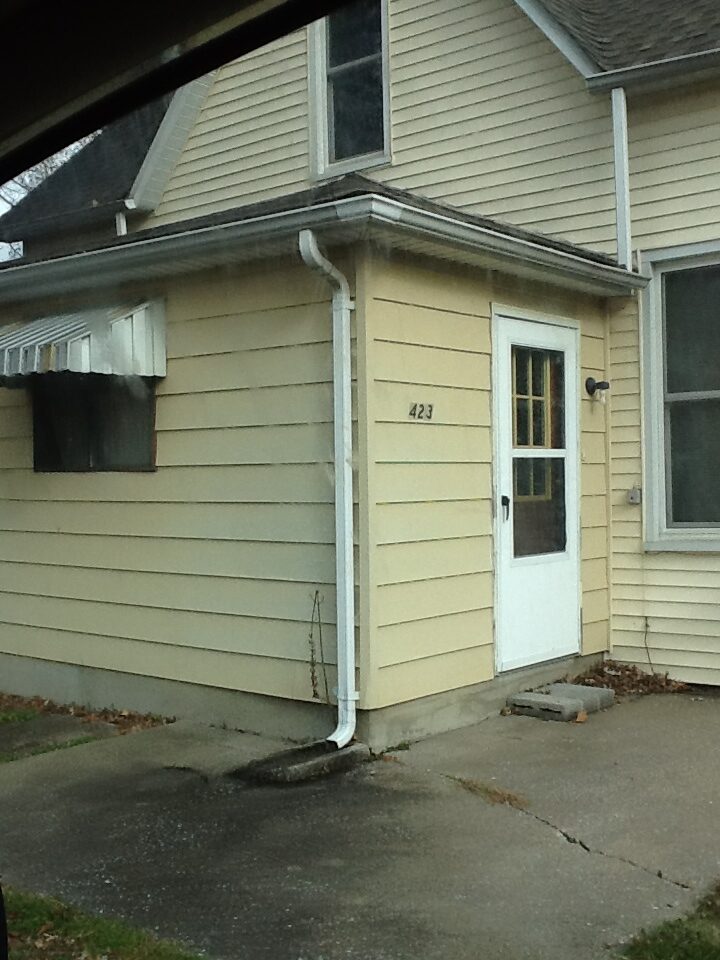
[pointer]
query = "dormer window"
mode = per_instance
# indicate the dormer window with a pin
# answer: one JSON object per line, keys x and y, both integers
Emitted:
{"x": 349, "y": 89}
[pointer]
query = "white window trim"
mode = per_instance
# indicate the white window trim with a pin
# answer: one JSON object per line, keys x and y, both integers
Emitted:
{"x": 658, "y": 535}
{"x": 320, "y": 166}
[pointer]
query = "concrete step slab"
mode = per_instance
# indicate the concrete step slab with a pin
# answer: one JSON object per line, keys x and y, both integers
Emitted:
{"x": 544, "y": 706}
{"x": 592, "y": 698}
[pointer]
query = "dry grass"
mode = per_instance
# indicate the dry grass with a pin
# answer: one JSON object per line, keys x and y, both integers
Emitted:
{"x": 491, "y": 794}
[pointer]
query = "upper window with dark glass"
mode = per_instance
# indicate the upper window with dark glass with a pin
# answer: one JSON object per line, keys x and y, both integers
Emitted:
{"x": 692, "y": 396}
{"x": 93, "y": 422}
{"x": 355, "y": 81}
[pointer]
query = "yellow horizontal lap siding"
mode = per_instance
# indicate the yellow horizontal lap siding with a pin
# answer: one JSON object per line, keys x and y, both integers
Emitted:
{"x": 510, "y": 104}
{"x": 408, "y": 642}
{"x": 486, "y": 115}
{"x": 282, "y": 444}
{"x": 221, "y": 550}
{"x": 674, "y": 155}
{"x": 216, "y": 668}
{"x": 432, "y": 521}
{"x": 665, "y": 605}
{"x": 156, "y": 626}
{"x": 250, "y": 141}
{"x": 434, "y": 674}
{"x": 300, "y": 522}
{"x": 209, "y": 557}
{"x": 428, "y": 343}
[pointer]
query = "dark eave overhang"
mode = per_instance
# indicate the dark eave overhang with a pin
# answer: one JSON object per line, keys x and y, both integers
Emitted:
{"x": 658, "y": 73}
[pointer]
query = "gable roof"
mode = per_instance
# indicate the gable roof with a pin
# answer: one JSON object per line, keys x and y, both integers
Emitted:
{"x": 97, "y": 179}
{"x": 618, "y": 34}
{"x": 628, "y": 34}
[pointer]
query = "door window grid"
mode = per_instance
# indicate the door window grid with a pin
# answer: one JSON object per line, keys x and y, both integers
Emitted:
{"x": 531, "y": 408}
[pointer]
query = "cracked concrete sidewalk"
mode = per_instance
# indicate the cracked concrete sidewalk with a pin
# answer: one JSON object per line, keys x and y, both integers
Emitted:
{"x": 399, "y": 859}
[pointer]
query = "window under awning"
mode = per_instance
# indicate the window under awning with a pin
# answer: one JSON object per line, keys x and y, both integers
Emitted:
{"x": 126, "y": 341}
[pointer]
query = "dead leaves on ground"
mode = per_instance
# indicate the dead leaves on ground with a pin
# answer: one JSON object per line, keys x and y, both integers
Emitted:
{"x": 628, "y": 680}
{"x": 125, "y": 720}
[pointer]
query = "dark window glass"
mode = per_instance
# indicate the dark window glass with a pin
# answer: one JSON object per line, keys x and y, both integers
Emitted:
{"x": 93, "y": 422}
{"x": 356, "y": 103}
{"x": 695, "y": 461}
{"x": 692, "y": 329}
{"x": 354, "y": 31}
{"x": 355, "y": 81}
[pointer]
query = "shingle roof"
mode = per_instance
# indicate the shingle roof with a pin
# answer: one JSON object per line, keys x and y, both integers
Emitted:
{"x": 98, "y": 175}
{"x": 625, "y": 33}
{"x": 345, "y": 187}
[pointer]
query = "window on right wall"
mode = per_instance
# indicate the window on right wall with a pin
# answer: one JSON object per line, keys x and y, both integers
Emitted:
{"x": 349, "y": 89}
{"x": 682, "y": 410}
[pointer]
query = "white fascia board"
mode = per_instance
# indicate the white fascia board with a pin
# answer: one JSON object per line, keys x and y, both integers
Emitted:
{"x": 559, "y": 36}
{"x": 166, "y": 147}
{"x": 217, "y": 243}
{"x": 611, "y": 280}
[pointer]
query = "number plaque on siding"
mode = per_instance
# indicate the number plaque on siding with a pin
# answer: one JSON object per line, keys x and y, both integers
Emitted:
{"x": 421, "y": 411}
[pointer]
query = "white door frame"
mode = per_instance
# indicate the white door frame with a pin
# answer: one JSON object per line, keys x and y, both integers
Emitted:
{"x": 499, "y": 314}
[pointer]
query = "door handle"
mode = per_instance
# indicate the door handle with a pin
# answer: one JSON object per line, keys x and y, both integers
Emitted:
{"x": 505, "y": 504}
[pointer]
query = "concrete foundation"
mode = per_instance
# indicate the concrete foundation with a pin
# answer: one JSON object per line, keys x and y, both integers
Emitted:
{"x": 272, "y": 716}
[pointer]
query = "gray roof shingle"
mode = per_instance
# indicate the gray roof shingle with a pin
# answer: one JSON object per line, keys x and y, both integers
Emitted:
{"x": 625, "y": 33}
{"x": 98, "y": 175}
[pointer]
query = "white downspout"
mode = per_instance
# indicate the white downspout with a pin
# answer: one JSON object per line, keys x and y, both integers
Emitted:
{"x": 622, "y": 178}
{"x": 342, "y": 306}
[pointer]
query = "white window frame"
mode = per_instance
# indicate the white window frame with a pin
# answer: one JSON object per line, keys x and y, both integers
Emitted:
{"x": 320, "y": 165}
{"x": 659, "y": 535}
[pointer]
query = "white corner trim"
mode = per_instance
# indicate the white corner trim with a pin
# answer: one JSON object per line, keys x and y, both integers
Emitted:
{"x": 622, "y": 178}
{"x": 159, "y": 163}
{"x": 320, "y": 166}
{"x": 559, "y": 36}
{"x": 658, "y": 535}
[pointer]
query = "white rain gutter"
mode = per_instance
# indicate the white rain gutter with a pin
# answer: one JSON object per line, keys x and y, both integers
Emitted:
{"x": 622, "y": 178}
{"x": 168, "y": 254}
{"x": 342, "y": 307}
{"x": 655, "y": 71}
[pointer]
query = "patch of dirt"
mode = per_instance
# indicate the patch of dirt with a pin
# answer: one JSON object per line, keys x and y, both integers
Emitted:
{"x": 125, "y": 720}
{"x": 628, "y": 680}
{"x": 491, "y": 794}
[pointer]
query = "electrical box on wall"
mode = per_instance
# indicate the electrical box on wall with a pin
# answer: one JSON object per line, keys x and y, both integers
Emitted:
{"x": 634, "y": 496}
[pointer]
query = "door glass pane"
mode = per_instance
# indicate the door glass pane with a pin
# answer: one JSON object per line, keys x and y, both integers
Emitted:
{"x": 521, "y": 368}
{"x": 695, "y": 461}
{"x": 538, "y": 505}
{"x": 538, "y": 408}
{"x": 538, "y": 398}
{"x": 522, "y": 422}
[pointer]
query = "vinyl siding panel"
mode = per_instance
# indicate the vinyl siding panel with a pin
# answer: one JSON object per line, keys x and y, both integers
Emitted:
{"x": 427, "y": 338}
{"x": 665, "y": 606}
{"x": 674, "y": 144}
{"x": 250, "y": 142}
{"x": 486, "y": 115}
{"x": 205, "y": 570}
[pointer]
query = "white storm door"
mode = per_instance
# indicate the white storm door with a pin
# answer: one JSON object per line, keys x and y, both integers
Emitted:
{"x": 536, "y": 492}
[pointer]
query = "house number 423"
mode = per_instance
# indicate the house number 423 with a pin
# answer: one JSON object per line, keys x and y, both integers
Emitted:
{"x": 421, "y": 411}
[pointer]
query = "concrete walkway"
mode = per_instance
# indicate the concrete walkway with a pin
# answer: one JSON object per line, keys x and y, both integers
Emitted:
{"x": 617, "y": 827}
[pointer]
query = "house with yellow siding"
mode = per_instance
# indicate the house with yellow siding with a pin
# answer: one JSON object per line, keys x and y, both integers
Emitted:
{"x": 372, "y": 377}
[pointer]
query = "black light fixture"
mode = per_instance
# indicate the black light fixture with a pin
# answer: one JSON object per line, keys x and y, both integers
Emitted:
{"x": 592, "y": 385}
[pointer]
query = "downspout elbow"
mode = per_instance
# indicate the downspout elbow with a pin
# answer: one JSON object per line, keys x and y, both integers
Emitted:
{"x": 342, "y": 307}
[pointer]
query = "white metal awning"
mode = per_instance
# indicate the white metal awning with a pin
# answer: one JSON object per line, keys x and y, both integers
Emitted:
{"x": 123, "y": 340}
